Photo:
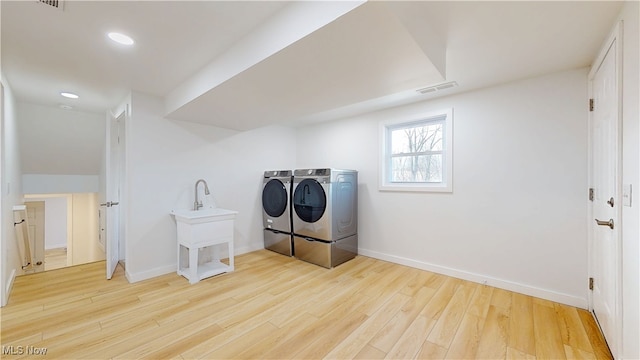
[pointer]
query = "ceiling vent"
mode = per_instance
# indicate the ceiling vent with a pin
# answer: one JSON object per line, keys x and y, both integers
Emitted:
{"x": 58, "y": 4}
{"x": 438, "y": 87}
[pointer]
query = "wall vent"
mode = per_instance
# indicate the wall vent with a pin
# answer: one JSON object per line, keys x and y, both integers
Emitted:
{"x": 438, "y": 87}
{"x": 58, "y": 4}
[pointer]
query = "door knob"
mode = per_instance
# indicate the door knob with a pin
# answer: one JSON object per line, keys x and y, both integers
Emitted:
{"x": 605, "y": 223}
{"x": 110, "y": 203}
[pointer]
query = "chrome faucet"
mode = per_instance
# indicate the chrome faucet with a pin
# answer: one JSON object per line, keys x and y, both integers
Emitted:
{"x": 198, "y": 203}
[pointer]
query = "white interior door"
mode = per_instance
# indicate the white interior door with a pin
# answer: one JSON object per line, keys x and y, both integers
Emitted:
{"x": 113, "y": 191}
{"x": 605, "y": 221}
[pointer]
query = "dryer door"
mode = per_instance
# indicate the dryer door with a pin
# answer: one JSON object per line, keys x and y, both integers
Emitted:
{"x": 275, "y": 201}
{"x": 309, "y": 200}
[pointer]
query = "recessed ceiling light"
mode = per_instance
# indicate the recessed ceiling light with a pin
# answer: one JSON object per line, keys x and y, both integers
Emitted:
{"x": 120, "y": 38}
{"x": 69, "y": 95}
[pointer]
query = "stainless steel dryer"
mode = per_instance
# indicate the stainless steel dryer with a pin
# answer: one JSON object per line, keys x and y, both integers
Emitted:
{"x": 276, "y": 211}
{"x": 325, "y": 216}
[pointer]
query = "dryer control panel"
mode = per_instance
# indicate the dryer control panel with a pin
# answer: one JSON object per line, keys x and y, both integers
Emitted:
{"x": 312, "y": 172}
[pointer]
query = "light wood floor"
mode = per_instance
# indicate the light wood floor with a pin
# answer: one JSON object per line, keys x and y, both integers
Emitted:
{"x": 55, "y": 259}
{"x": 276, "y": 307}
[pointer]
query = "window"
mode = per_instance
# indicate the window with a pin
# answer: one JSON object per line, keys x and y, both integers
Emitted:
{"x": 417, "y": 153}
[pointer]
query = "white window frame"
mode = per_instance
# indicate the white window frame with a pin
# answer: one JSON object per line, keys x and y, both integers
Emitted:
{"x": 385, "y": 184}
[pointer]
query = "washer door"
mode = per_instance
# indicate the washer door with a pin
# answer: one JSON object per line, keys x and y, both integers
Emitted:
{"x": 309, "y": 200}
{"x": 274, "y": 198}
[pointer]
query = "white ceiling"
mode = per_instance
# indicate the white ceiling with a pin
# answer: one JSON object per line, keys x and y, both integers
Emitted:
{"x": 45, "y": 50}
{"x": 245, "y": 64}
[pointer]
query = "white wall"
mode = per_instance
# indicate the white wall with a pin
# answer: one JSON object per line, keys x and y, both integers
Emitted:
{"x": 517, "y": 214}
{"x": 55, "y": 223}
{"x": 85, "y": 247}
{"x": 55, "y": 220}
{"x": 57, "y": 141}
{"x": 164, "y": 160}
{"x": 631, "y": 175}
{"x": 59, "y": 184}
{"x": 11, "y": 188}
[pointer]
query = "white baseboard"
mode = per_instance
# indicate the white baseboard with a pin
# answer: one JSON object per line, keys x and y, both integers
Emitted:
{"x": 482, "y": 279}
{"x": 163, "y": 270}
{"x": 460, "y": 274}
{"x": 255, "y": 246}
{"x": 8, "y": 288}
{"x": 144, "y": 275}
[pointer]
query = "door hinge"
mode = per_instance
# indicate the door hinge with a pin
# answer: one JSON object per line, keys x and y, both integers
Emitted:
{"x": 590, "y": 283}
{"x": 591, "y": 191}
{"x": 591, "y": 104}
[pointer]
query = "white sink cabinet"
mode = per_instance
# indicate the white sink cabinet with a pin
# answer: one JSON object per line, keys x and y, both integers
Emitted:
{"x": 200, "y": 231}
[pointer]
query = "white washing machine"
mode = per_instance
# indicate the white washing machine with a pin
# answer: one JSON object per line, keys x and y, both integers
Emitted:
{"x": 276, "y": 211}
{"x": 325, "y": 215}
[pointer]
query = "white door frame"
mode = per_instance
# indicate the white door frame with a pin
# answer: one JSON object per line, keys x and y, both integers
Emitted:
{"x": 112, "y": 190}
{"x": 615, "y": 36}
{"x": 122, "y": 112}
{"x": 4, "y": 282}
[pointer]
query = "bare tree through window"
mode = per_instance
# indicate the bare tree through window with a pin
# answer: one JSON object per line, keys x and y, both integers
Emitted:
{"x": 416, "y": 152}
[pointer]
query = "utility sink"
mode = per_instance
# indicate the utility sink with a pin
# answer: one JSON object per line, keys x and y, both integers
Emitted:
{"x": 203, "y": 215}
{"x": 199, "y": 233}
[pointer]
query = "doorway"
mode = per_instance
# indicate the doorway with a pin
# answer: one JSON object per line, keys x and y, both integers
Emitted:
{"x": 64, "y": 229}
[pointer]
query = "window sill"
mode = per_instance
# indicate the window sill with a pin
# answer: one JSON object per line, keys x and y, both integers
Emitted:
{"x": 439, "y": 188}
